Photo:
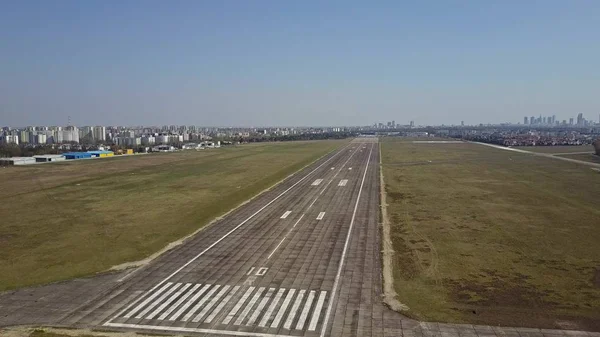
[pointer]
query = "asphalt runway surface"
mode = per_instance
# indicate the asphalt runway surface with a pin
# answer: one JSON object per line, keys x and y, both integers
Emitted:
{"x": 300, "y": 260}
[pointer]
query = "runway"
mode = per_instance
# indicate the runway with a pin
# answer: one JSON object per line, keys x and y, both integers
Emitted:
{"x": 296, "y": 261}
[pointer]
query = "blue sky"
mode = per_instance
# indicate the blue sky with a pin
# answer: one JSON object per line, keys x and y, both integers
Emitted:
{"x": 254, "y": 63}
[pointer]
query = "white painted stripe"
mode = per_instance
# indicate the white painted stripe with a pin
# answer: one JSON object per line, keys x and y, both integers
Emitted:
{"x": 168, "y": 301}
{"x": 260, "y": 306}
{"x": 350, "y": 168}
{"x": 292, "y": 314}
{"x": 200, "y": 303}
{"x": 265, "y": 319}
{"x": 250, "y": 271}
{"x": 317, "y": 182}
{"x": 339, "y": 272}
{"x": 215, "y": 312}
{"x": 143, "y": 304}
{"x": 192, "y": 330}
{"x": 304, "y": 314}
{"x": 280, "y": 242}
{"x": 211, "y": 304}
{"x": 302, "y": 216}
{"x": 157, "y": 301}
{"x": 178, "y": 303}
{"x": 343, "y": 182}
{"x": 320, "y": 216}
{"x": 284, "y": 306}
{"x": 312, "y": 326}
{"x": 238, "y": 305}
{"x": 225, "y": 235}
{"x": 188, "y": 303}
{"x": 249, "y": 306}
{"x": 285, "y": 215}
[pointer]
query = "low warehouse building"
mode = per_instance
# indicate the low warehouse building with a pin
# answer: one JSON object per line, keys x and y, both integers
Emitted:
{"x": 17, "y": 161}
{"x": 49, "y": 158}
{"x": 101, "y": 154}
{"x": 77, "y": 155}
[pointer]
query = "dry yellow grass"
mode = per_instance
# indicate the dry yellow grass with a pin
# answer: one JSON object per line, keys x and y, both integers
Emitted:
{"x": 493, "y": 237}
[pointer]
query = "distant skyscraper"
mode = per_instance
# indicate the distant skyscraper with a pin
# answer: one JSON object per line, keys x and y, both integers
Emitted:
{"x": 462, "y": 123}
{"x": 580, "y": 119}
{"x": 412, "y": 124}
{"x": 99, "y": 133}
{"x": 525, "y": 120}
{"x": 531, "y": 120}
{"x": 571, "y": 121}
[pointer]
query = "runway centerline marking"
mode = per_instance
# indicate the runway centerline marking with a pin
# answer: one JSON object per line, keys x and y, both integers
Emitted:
{"x": 285, "y": 215}
{"x": 344, "y": 252}
{"x": 285, "y": 236}
{"x": 320, "y": 216}
{"x": 224, "y": 236}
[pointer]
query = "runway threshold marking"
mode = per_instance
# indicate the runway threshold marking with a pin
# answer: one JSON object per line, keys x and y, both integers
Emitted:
{"x": 222, "y": 238}
{"x": 285, "y": 215}
{"x": 343, "y": 182}
{"x": 320, "y": 216}
{"x": 317, "y": 182}
{"x": 256, "y": 312}
{"x": 344, "y": 252}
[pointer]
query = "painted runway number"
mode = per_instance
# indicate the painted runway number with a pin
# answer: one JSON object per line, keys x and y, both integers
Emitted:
{"x": 262, "y": 271}
{"x": 343, "y": 182}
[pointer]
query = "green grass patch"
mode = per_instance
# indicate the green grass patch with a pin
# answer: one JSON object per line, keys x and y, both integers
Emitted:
{"x": 67, "y": 220}
{"x": 493, "y": 237}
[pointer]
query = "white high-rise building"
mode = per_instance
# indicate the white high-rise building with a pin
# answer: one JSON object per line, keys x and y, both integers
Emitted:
{"x": 99, "y": 133}
{"x": 9, "y": 139}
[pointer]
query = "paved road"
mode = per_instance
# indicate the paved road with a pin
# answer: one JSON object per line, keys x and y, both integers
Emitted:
{"x": 302, "y": 259}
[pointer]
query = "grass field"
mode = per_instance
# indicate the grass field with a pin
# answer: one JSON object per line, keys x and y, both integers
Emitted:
{"x": 493, "y": 237}
{"x": 66, "y": 220}
{"x": 557, "y": 149}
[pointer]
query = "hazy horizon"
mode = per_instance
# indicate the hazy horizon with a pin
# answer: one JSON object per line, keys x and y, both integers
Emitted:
{"x": 270, "y": 63}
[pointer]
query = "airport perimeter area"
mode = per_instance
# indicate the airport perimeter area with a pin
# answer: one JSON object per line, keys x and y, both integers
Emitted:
{"x": 301, "y": 259}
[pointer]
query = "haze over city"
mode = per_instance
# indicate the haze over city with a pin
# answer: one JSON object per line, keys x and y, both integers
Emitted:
{"x": 266, "y": 63}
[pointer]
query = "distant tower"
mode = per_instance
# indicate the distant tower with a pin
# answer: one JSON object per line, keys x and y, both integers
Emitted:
{"x": 412, "y": 124}
{"x": 462, "y": 123}
{"x": 525, "y": 120}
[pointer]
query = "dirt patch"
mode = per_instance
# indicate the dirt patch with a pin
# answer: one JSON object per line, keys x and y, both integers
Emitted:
{"x": 597, "y": 278}
{"x": 389, "y": 294}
